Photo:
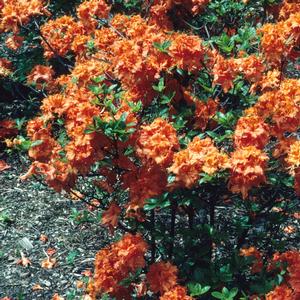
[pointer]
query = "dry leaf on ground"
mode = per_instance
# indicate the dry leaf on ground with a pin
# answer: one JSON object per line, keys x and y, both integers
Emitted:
{"x": 43, "y": 238}
{"x": 48, "y": 263}
{"x": 3, "y": 165}
{"x": 37, "y": 287}
{"x": 57, "y": 297}
{"x": 24, "y": 261}
{"x": 51, "y": 251}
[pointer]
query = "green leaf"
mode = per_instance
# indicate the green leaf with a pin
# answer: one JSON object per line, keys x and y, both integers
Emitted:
{"x": 91, "y": 44}
{"x": 217, "y": 295}
{"x": 197, "y": 290}
{"x": 167, "y": 99}
{"x": 36, "y": 143}
{"x": 162, "y": 47}
{"x": 135, "y": 106}
{"x": 74, "y": 80}
{"x": 233, "y": 292}
{"x": 99, "y": 78}
{"x": 71, "y": 257}
{"x": 160, "y": 202}
{"x": 205, "y": 289}
{"x": 160, "y": 86}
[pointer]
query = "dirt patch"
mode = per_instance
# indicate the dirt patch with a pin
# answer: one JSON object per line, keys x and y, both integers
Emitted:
{"x": 27, "y": 211}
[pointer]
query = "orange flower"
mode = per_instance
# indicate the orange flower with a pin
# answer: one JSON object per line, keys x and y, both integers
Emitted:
{"x": 204, "y": 112}
{"x": 258, "y": 263}
{"x": 292, "y": 258}
{"x": 18, "y": 12}
{"x": 293, "y": 161}
{"x": 224, "y": 72}
{"x": 58, "y": 174}
{"x": 279, "y": 39}
{"x": 268, "y": 82}
{"x": 5, "y": 67}
{"x": 110, "y": 217}
{"x": 293, "y": 157}
{"x": 80, "y": 45}
{"x": 89, "y": 11}
{"x": 251, "y": 131}
{"x": 104, "y": 38}
{"x": 177, "y": 293}
{"x": 162, "y": 277}
{"x": 290, "y": 229}
{"x": 14, "y": 42}
{"x": 53, "y": 104}
{"x": 288, "y": 8}
{"x": 7, "y": 129}
{"x": 40, "y": 75}
{"x": 199, "y": 156}
{"x": 157, "y": 142}
{"x": 282, "y": 106}
{"x": 187, "y": 51}
{"x": 247, "y": 169}
{"x": 59, "y": 34}
{"x": 43, "y": 151}
{"x": 144, "y": 183}
{"x": 196, "y": 6}
{"x": 113, "y": 264}
{"x": 281, "y": 292}
{"x": 251, "y": 66}
{"x": 159, "y": 14}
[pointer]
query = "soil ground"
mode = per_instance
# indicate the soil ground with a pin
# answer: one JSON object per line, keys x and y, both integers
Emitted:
{"x": 27, "y": 211}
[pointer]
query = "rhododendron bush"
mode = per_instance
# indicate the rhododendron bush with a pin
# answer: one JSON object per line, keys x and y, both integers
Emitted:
{"x": 178, "y": 121}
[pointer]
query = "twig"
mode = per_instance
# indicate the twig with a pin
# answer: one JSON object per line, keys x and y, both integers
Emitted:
{"x": 153, "y": 242}
{"x": 172, "y": 230}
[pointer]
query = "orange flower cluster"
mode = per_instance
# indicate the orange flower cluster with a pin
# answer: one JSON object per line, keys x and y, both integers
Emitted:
{"x": 225, "y": 70}
{"x": 115, "y": 263}
{"x": 40, "y": 76}
{"x": 293, "y": 161}
{"x": 177, "y": 293}
{"x": 5, "y": 67}
{"x": 204, "y": 112}
{"x": 199, "y": 156}
{"x": 162, "y": 277}
{"x": 251, "y": 130}
{"x": 288, "y": 8}
{"x": 247, "y": 167}
{"x": 143, "y": 183}
{"x": 58, "y": 175}
{"x": 7, "y": 129}
{"x": 292, "y": 290}
{"x": 15, "y": 13}
{"x": 157, "y": 142}
{"x": 59, "y": 35}
{"x": 282, "y": 106}
{"x": 281, "y": 292}
{"x": 279, "y": 40}
{"x": 137, "y": 61}
{"x": 14, "y": 42}
{"x": 160, "y": 8}
{"x": 129, "y": 44}
{"x": 293, "y": 158}
{"x": 89, "y": 11}
{"x": 81, "y": 151}
{"x": 110, "y": 217}
{"x": 253, "y": 252}
{"x": 268, "y": 82}
{"x": 251, "y": 67}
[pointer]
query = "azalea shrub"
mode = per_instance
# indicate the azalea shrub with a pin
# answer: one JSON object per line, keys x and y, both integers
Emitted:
{"x": 179, "y": 122}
